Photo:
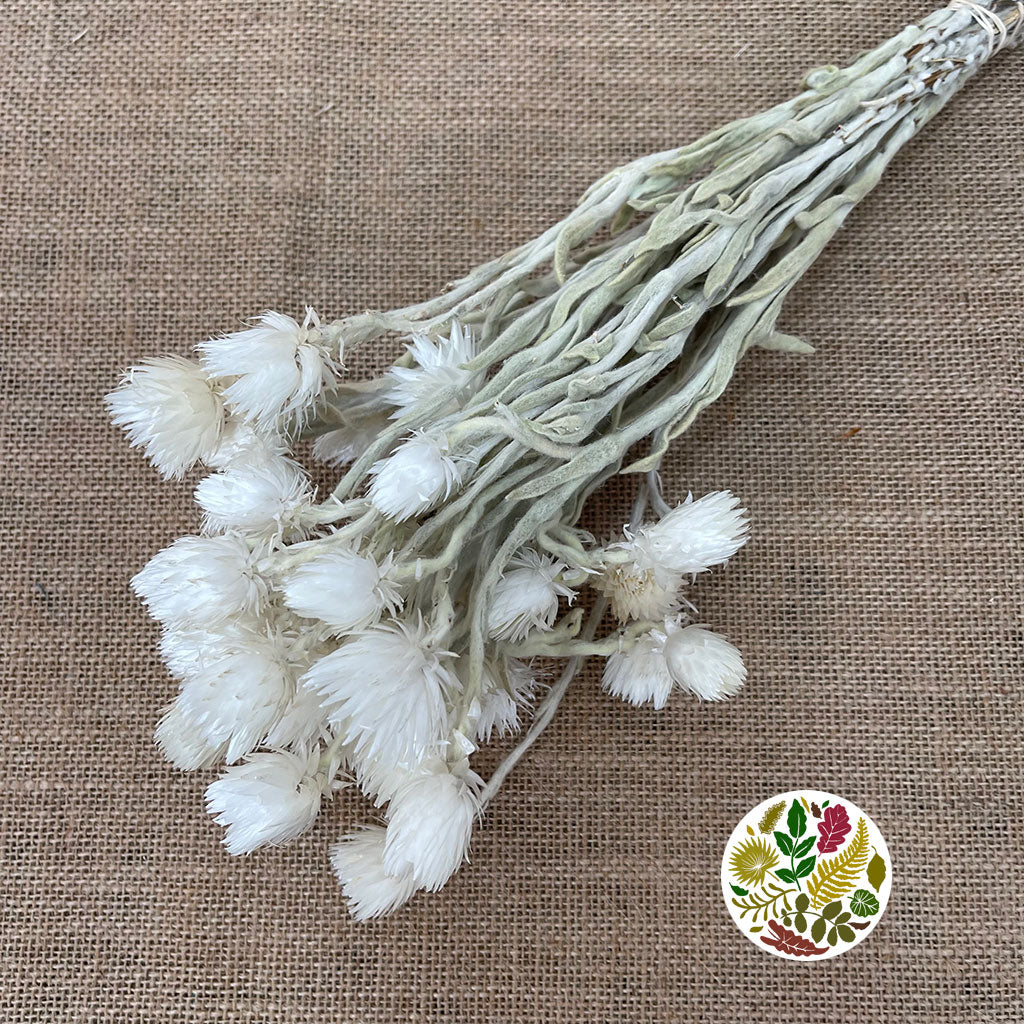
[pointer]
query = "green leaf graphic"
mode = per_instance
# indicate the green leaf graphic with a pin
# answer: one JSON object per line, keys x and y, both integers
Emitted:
{"x": 736, "y": 889}
{"x": 864, "y": 903}
{"x": 833, "y": 936}
{"x": 804, "y": 846}
{"x": 796, "y": 820}
{"x": 786, "y": 875}
{"x": 846, "y": 933}
{"x": 876, "y": 871}
{"x": 784, "y": 843}
{"x": 831, "y": 909}
{"x": 805, "y": 867}
{"x": 818, "y": 929}
{"x": 803, "y": 901}
{"x": 800, "y": 922}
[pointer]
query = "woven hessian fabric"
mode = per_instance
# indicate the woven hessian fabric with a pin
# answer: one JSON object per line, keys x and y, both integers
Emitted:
{"x": 170, "y": 168}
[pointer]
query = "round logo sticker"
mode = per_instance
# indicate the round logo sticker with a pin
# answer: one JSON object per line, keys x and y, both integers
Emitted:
{"x": 806, "y": 875}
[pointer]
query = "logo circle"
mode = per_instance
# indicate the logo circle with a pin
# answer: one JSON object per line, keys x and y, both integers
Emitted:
{"x": 806, "y": 875}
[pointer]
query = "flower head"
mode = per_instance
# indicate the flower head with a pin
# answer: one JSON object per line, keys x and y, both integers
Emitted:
{"x": 697, "y": 534}
{"x": 181, "y": 741}
{"x": 269, "y": 798}
{"x": 241, "y": 443}
{"x": 237, "y": 690}
{"x": 275, "y": 369}
{"x": 369, "y": 890}
{"x": 414, "y": 477}
{"x": 302, "y": 724}
{"x": 170, "y": 410}
{"x": 704, "y": 663}
{"x": 261, "y": 499}
{"x": 506, "y": 689}
{"x": 440, "y": 368}
{"x": 639, "y": 674}
{"x": 345, "y": 444}
{"x": 386, "y": 688}
{"x": 526, "y": 596}
{"x": 430, "y": 821}
{"x": 343, "y": 588}
{"x": 201, "y": 581}
{"x": 640, "y": 588}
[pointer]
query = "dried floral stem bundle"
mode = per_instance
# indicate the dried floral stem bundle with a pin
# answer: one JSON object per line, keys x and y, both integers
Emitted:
{"x": 380, "y": 633}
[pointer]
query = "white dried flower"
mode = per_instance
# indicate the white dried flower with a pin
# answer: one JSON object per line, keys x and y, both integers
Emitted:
{"x": 386, "y": 688}
{"x": 342, "y": 588}
{"x": 640, "y": 675}
{"x": 414, "y": 477}
{"x": 345, "y": 444}
{"x": 704, "y": 663}
{"x": 170, "y": 410}
{"x": 378, "y": 780}
{"x": 526, "y": 596}
{"x": 237, "y": 690}
{"x": 269, "y": 799}
{"x": 640, "y": 588}
{"x": 240, "y": 442}
{"x": 369, "y": 890}
{"x": 697, "y": 534}
{"x": 276, "y": 368}
{"x": 505, "y": 690}
{"x": 201, "y": 581}
{"x": 440, "y": 367}
{"x": 262, "y": 499}
{"x": 303, "y": 722}
{"x": 430, "y": 822}
{"x": 181, "y": 741}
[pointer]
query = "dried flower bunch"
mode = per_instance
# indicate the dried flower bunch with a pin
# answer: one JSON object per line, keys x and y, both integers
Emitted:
{"x": 380, "y": 633}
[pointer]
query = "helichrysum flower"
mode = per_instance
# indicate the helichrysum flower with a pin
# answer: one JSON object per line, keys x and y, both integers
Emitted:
{"x": 430, "y": 821}
{"x": 345, "y": 444}
{"x": 386, "y": 688}
{"x": 526, "y": 596}
{"x": 275, "y": 369}
{"x": 358, "y": 863}
{"x": 697, "y": 534}
{"x": 343, "y": 588}
{"x": 201, "y": 581}
{"x": 238, "y": 690}
{"x": 640, "y": 675}
{"x": 181, "y": 741}
{"x": 506, "y": 690}
{"x": 302, "y": 723}
{"x": 440, "y": 367}
{"x": 640, "y": 588}
{"x": 261, "y": 499}
{"x": 270, "y": 798}
{"x": 414, "y": 477}
{"x": 704, "y": 663}
{"x": 170, "y": 410}
{"x": 241, "y": 442}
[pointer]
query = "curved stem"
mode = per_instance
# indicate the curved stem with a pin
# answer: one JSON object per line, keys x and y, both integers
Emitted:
{"x": 545, "y": 712}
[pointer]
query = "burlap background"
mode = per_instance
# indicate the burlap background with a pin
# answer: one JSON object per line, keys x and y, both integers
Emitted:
{"x": 168, "y": 168}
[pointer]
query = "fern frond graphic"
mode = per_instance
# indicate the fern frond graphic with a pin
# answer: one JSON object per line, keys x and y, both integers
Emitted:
{"x": 835, "y": 877}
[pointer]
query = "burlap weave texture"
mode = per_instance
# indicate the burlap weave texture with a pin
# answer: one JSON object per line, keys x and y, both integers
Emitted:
{"x": 170, "y": 168}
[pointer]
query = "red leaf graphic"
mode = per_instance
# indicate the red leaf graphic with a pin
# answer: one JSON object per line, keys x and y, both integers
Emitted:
{"x": 833, "y": 829}
{"x": 789, "y": 942}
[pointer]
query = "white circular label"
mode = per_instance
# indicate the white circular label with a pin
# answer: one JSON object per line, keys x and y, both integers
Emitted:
{"x": 806, "y": 875}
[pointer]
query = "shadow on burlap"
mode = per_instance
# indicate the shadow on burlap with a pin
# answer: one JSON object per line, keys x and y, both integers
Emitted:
{"x": 179, "y": 166}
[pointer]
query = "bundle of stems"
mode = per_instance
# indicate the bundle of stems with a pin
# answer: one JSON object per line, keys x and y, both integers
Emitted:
{"x": 381, "y": 633}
